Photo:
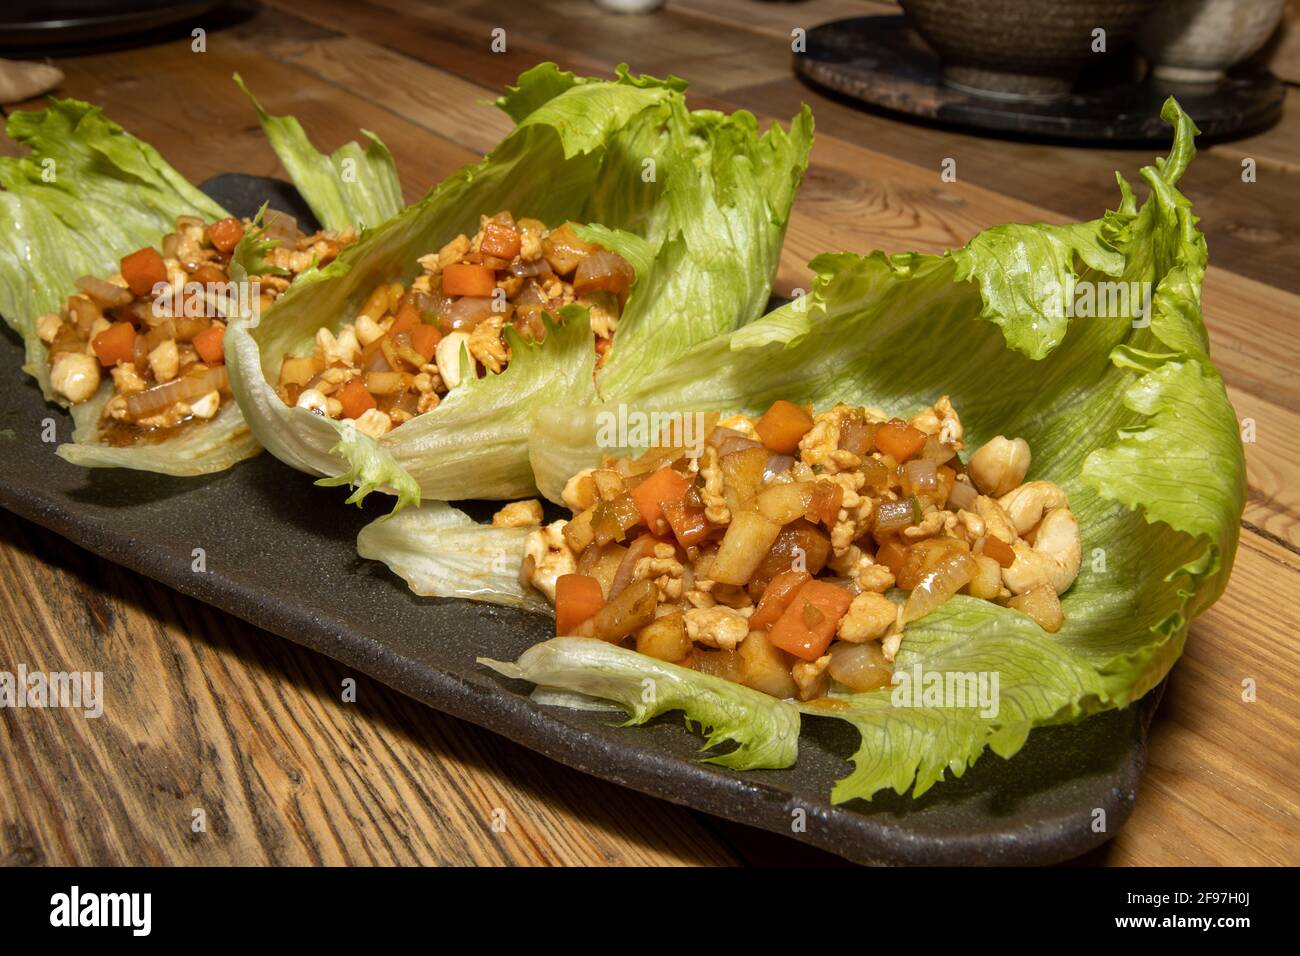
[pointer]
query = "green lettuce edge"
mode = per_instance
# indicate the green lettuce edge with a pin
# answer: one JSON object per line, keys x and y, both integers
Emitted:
{"x": 87, "y": 193}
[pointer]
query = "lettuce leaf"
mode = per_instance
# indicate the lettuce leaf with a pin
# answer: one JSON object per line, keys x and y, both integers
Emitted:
{"x": 353, "y": 186}
{"x": 87, "y": 194}
{"x": 1125, "y": 411}
{"x": 765, "y": 730}
{"x": 440, "y": 551}
{"x": 697, "y": 201}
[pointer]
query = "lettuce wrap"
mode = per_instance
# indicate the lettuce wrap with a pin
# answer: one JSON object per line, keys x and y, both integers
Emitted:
{"x": 695, "y": 201}
{"x": 1122, "y": 406}
{"x": 87, "y": 194}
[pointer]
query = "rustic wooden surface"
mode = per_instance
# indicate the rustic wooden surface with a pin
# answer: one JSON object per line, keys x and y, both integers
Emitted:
{"x": 251, "y": 728}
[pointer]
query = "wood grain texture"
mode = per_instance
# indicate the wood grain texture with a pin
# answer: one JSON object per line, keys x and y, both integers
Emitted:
{"x": 202, "y": 711}
{"x": 207, "y": 711}
{"x": 1221, "y": 788}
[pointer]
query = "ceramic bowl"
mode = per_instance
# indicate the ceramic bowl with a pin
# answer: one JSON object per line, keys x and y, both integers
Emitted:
{"x": 1023, "y": 47}
{"x": 1195, "y": 41}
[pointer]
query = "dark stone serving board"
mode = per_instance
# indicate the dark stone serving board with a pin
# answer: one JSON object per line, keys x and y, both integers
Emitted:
{"x": 881, "y": 61}
{"x": 281, "y": 555}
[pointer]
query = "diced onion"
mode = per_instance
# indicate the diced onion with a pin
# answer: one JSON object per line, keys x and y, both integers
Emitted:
{"x": 893, "y": 515}
{"x": 946, "y": 578}
{"x": 640, "y": 548}
{"x": 281, "y": 225}
{"x": 105, "y": 294}
{"x": 193, "y": 385}
{"x": 937, "y": 451}
{"x": 603, "y": 271}
{"x": 529, "y": 269}
{"x": 430, "y": 303}
{"x": 860, "y": 667}
{"x": 466, "y": 312}
{"x": 920, "y": 476}
{"x": 962, "y": 496}
{"x": 856, "y": 436}
{"x": 777, "y": 465}
{"x": 728, "y": 440}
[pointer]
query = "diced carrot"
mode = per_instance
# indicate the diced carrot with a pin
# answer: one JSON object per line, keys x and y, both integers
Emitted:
{"x": 892, "y": 555}
{"x": 460, "y": 278}
{"x": 115, "y": 344}
{"x": 782, "y": 425}
{"x": 687, "y": 521}
{"x": 577, "y": 598}
{"x": 899, "y": 439}
{"x": 209, "y": 342}
{"x": 143, "y": 269}
{"x": 663, "y": 485}
{"x": 425, "y": 339}
{"x": 356, "y": 400}
{"x": 999, "y": 551}
{"x": 827, "y": 497}
{"x": 778, "y": 594}
{"x": 808, "y": 624}
{"x": 225, "y": 234}
{"x": 408, "y": 317}
{"x": 500, "y": 240}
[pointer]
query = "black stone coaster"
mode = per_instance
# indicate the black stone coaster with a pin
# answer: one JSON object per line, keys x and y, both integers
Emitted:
{"x": 883, "y": 62}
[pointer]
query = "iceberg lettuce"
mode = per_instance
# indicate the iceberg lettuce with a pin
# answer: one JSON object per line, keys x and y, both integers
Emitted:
{"x": 1121, "y": 404}
{"x": 350, "y": 187}
{"x": 764, "y": 730}
{"x": 697, "y": 201}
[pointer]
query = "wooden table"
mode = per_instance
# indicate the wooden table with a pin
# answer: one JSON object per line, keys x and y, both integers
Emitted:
{"x": 213, "y": 713}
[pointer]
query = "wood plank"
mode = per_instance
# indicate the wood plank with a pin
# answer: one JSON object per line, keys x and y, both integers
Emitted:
{"x": 221, "y": 130}
{"x": 1220, "y": 785}
{"x": 204, "y": 711}
{"x": 436, "y": 100}
{"x": 1272, "y": 462}
{"x": 440, "y": 36}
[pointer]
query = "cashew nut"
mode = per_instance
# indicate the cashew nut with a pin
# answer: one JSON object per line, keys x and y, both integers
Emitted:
{"x": 999, "y": 465}
{"x": 448, "y": 354}
{"x": 1053, "y": 558}
{"x": 74, "y": 376}
{"x": 1026, "y": 505}
{"x": 995, "y": 519}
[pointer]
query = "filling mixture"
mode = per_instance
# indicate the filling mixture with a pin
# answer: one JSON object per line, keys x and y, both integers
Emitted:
{"x": 402, "y": 352}
{"x": 152, "y": 328}
{"x": 765, "y": 559}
